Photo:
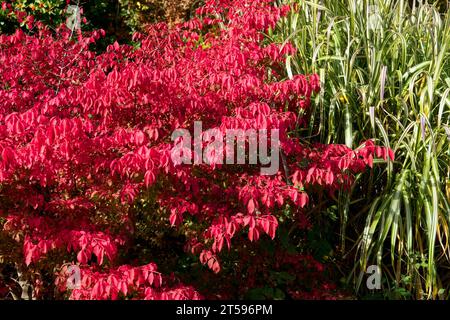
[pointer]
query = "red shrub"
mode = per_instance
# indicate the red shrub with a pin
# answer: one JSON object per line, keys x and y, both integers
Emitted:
{"x": 85, "y": 136}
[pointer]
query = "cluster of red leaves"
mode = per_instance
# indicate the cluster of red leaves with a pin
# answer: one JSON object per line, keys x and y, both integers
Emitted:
{"x": 83, "y": 136}
{"x": 143, "y": 283}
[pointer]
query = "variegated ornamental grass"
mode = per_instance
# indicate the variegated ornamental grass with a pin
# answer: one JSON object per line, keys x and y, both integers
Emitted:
{"x": 385, "y": 74}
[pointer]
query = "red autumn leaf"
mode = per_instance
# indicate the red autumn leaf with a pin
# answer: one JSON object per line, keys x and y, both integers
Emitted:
{"x": 253, "y": 234}
{"x": 391, "y": 154}
{"x": 149, "y": 178}
{"x": 251, "y": 206}
{"x": 139, "y": 138}
{"x": 174, "y": 219}
{"x": 29, "y": 256}
{"x": 82, "y": 257}
{"x": 370, "y": 161}
{"x": 303, "y": 199}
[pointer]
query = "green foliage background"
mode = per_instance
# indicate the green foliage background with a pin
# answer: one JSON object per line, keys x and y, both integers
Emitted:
{"x": 119, "y": 18}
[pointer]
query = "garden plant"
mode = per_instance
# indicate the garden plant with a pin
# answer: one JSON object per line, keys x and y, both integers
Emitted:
{"x": 109, "y": 190}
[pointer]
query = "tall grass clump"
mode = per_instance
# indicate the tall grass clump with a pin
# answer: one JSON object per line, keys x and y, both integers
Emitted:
{"x": 385, "y": 72}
